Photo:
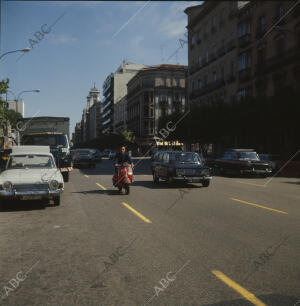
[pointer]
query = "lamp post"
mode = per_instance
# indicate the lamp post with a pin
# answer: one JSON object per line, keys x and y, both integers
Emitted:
{"x": 17, "y": 100}
{"x": 19, "y": 50}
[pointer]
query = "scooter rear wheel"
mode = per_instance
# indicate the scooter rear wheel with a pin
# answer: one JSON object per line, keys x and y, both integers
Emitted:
{"x": 127, "y": 188}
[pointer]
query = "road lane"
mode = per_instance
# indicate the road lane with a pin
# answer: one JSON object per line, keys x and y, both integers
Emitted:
{"x": 95, "y": 252}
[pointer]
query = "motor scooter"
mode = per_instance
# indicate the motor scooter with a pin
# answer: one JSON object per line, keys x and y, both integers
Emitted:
{"x": 123, "y": 177}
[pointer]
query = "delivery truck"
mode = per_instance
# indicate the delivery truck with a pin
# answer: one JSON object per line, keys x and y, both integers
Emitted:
{"x": 49, "y": 131}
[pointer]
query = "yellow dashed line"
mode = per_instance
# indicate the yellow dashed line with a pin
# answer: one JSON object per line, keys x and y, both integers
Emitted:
{"x": 251, "y": 184}
{"x": 242, "y": 291}
{"x": 257, "y": 205}
{"x": 101, "y": 186}
{"x": 136, "y": 212}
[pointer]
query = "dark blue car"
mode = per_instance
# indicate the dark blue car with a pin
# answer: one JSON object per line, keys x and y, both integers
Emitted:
{"x": 180, "y": 166}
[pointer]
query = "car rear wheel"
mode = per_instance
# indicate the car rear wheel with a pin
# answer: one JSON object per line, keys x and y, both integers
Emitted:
{"x": 206, "y": 183}
{"x": 155, "y": 178}
{"x": 56, "y": 201}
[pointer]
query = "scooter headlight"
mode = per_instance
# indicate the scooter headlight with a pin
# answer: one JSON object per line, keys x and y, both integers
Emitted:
{"x": 53, "y": 185}
{"x": 8, "y": 186}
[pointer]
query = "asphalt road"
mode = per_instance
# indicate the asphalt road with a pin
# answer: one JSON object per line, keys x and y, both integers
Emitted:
{"x": 235, "y": 242}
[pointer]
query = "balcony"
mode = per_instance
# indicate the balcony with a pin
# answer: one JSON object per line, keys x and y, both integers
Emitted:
{"x": 230, "y": 45}
{"x": 278, "y": 61}
{"x": 276, "y": 18}
{"x": 245, "y": 74}
{"x": 207, "y": 88}
{"x": 205, "y": 35}
{"x": 213, "y": 29}
{"x": 244, "y": 40}
{"x": 221, "y": 51}
{"x": 198, "y": 41}
{"x": 230, "y": 78}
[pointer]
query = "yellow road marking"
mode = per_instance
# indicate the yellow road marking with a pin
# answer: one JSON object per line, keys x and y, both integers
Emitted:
{"x": 101, "y": 186}
{"x": 136, "y": 212}
{"x": 253, "y": 204}
{"x": 86, "y": 176}
{"x": 251, "y": 184}
{"x": 242, "y": 291}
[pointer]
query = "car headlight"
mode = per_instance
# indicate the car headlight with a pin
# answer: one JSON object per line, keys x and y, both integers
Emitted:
{"x": 8, "y": 186}
{"x": 205, "y": 172}
{"x": 53, "y": 184}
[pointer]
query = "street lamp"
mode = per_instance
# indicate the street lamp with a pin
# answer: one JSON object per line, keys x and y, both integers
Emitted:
{"x": 20, "y": 50}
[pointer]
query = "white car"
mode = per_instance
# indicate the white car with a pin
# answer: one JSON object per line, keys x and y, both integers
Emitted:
{"x": 31, "y": 173}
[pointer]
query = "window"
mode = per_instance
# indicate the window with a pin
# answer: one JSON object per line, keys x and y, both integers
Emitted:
{"x": 243, "y": 28}
{"x": 205, "y": 80}
{"x": 280, "y": 10}
{"x": 193, "y": 40}
{"x": 222, "y": 72}
{"x": 261, "y": 55}
{"x": 199, "y": 83}
{"x": 206, "y": 56}
{"x": 214, "y": 76}
{"x": 232, "y": 67}
{"x": 200, "y": 60}
{"x": 262, "y": 25}
{"x": 244, "y": 61}
{"x": 241, "y": 94}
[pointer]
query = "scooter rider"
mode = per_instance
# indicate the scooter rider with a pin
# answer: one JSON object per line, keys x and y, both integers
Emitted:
{"x": 122, "y": 157}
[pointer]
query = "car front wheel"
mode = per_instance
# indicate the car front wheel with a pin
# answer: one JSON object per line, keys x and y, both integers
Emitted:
{"x": 56, "y": 201}
{"x": 206, "y": 183}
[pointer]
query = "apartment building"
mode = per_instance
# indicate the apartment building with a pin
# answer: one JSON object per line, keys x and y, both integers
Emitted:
{"x": 154, "y": 92}
{"x": 120, "y": 115}
{"x": 114, "y": 89}
{"x": 268, "y": 47}
{"x": 212, "y": 51}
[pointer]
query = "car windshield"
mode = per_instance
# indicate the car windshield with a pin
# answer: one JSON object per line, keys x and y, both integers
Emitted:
{"x": 52, "y": 140}
{"x": 185, "y": 158}
{"x": 248, "y": 156}
{"x": 30, "y": 161}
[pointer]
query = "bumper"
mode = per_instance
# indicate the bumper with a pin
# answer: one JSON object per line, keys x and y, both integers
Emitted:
{"x": 254, "y": 171}
{"x": 37, "y": 194}
{"x": 195, "y": 179}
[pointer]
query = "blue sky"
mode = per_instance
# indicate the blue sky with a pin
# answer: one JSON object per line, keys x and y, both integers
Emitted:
{"x": 83, "y": 47}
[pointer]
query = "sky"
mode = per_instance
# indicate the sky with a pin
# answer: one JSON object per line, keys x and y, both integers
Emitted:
{"x": 86, "y": 42}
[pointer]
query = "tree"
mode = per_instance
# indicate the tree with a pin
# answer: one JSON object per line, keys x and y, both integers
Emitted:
{"x": 129, "y": 136}
{"x": 4, "y": 84}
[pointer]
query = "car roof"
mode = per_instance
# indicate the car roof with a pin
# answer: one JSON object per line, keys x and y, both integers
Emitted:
{"x": 181, "y": 152}
{"x": 30, "y": 150}
{"x": 240, "y": 150}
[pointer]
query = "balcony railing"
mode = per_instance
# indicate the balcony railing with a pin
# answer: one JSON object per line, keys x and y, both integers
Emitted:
{"x": 276, "y": 18}
{"x": 221, "y": 51}
{"x": 245, "y": 74}
{"x": 244, "y": 40}
{"x": 207, "y": 88}
{"x": 278, "y": 61}
{"x": 230, "y": 45}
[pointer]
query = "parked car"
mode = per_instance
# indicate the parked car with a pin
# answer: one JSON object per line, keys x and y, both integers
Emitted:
{"x": 180, "y": 166}
{"x": 271, "y": 158}
{"x": 112, "y": 154}
{"x": 30, "y": 174}
{"x": 84, "y": 157}
{"x": 242, "y": 161}
{"x": 97, "y": 155}
{"x": 106, "y": 152}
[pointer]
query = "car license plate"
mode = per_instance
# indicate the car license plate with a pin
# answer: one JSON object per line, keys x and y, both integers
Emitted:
{"x": 260, "y": 171}
{"x": 31, "y": 197}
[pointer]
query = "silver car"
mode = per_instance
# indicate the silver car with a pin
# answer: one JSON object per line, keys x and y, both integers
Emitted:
{"x": 30, "y": 174}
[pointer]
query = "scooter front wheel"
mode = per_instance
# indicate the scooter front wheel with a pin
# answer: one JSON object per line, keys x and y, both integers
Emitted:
{"x": 127, "y": 188}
